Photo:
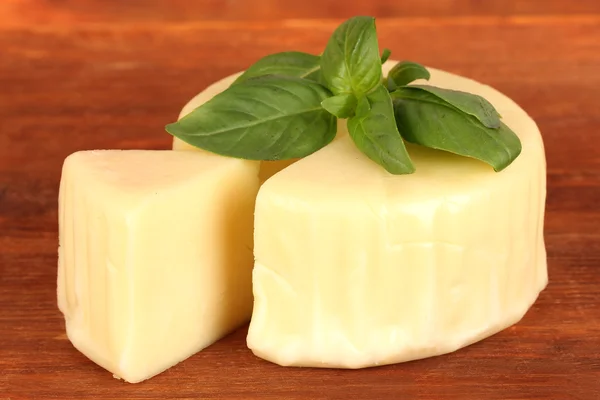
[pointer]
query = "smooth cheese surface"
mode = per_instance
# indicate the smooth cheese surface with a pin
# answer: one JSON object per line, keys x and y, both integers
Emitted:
{"x": 155, "y": 255}
{"x": 356, "y": 267}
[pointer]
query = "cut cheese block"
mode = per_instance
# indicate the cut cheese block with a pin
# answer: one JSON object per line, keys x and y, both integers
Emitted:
{"x": 155, "y": 255}
{"x": 267, "y": 168}
{"x": 357, "y": 268}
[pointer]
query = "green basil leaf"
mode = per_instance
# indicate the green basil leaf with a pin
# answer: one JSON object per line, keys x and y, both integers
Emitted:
{"x": 342, "y": 105}
{"x": 363, "y": 107}
{"x": 385, "y": 55}
{"x": 425, "y": 119}
{"x": 288, "y": 63}
{"x": 265, "y": 118}
{"x": 469, "y": 103}
{"x": 377, "y": 136}
{"x": 350, "y": 62}
{"x": 406, "y": 72}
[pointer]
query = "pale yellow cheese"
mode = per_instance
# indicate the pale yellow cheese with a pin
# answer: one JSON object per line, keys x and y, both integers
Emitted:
{"x": 356, "y": 267}
{"x": 155, "y": 255}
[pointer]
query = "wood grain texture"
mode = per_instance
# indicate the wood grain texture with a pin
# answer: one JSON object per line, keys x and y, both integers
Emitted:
{"x": 108, "y": 74}
{"x": 77, "y": 11}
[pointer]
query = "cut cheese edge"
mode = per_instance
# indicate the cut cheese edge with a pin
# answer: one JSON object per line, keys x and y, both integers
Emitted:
{"x": 357, "y": 268}
{"x": 155, "y": 255}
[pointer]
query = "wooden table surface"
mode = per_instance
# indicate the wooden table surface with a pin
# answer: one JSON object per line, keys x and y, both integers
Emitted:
{"x": 108, "y": 74}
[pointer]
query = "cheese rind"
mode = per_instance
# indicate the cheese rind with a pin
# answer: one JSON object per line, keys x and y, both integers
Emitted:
{"x": 155, "y": 255}
{"x": 356, "y": 267}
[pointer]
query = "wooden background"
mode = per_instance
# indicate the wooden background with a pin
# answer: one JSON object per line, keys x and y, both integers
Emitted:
{"x": 78, "y": 74}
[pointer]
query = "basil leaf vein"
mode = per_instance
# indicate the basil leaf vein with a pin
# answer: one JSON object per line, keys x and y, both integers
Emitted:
{"x": 351, "y": 61}
{"x": 265, "y": 118}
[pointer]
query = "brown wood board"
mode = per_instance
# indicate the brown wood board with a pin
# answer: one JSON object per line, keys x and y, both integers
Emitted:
{"x": 87, "y": 75}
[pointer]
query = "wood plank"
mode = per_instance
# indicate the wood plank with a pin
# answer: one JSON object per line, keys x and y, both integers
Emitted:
{"x": 74, "y": 11}
{"x": 68, "y": 85}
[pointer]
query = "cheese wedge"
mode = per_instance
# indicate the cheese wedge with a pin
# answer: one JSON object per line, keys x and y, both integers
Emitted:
{"x": 155, "y": 255}
{"x": 357, "y": 268}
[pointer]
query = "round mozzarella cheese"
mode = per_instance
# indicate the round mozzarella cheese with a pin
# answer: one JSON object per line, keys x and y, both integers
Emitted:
{"x": 356, "y": 267}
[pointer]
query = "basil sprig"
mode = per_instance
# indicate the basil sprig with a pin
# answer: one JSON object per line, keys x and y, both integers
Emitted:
{"x": 286, "y": 104}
